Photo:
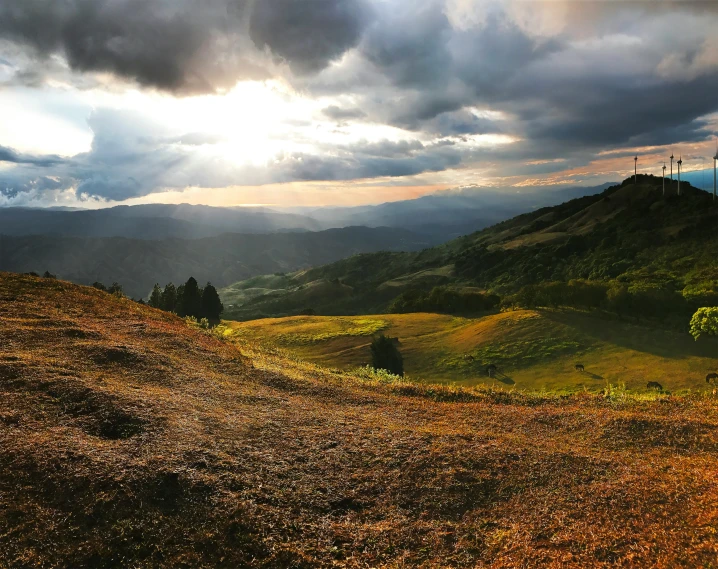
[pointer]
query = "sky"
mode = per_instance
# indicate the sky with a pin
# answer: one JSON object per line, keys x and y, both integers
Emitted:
{"x": 346, "y": 102}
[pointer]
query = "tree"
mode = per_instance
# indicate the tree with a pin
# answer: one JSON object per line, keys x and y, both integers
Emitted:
{"x": 179, "y": 301}
{"x": 191, "y": 300}
{"x": 48, "y": 275}
{"x": 169, "y": 298}
{"x": 115, "y": 288}
{"x": 705, "y": 321}
{"x": 156, "y": 297}
{"x": 211, "y": 304}
{"x": 99, "y": 286}
{"x": 385, "y": 355}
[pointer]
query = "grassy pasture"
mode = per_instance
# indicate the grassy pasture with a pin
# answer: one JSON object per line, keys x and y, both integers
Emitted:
{"x": 532, "y": 349}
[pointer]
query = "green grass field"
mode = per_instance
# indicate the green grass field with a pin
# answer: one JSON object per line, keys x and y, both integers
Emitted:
{"x": 532, "y": 349}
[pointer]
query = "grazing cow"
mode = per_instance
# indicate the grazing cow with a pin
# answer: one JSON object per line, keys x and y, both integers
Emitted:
{"x": 491, "y": 370}
{"x": 654, "y": 385}
{"x": 468, "y": 357}
{"x": 579, "y": 367}
{"x": 711, "y": 377}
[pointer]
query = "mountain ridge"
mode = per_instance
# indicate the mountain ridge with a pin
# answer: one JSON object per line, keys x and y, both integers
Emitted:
{"x": 604, "y": 237}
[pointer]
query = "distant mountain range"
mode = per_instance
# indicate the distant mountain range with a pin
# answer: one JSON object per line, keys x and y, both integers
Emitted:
{"x": 140, "y": 245}
{"x": 437, "y": 217}
{"x": 138, "y": 264}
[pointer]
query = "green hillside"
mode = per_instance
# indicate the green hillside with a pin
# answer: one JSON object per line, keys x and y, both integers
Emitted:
{"x": 532, "y": 349}
{"x": 629, "y": 235}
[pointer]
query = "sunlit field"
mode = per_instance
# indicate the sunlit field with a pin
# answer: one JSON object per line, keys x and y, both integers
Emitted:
{"x": 532, "y": 349}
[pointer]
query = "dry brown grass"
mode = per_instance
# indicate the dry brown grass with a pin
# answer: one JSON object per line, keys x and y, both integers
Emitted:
{"x": 130, "y": 440}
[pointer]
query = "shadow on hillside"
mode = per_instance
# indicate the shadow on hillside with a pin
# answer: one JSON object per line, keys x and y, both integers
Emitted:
{"x": 593, "y": 375}
{"x": 503, "y": 378}
{"x": 647, "y": 339}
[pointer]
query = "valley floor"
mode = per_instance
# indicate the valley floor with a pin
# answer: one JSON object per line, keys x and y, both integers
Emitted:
{"x": 132, "y": 440}
{"x": 532, "y": 349}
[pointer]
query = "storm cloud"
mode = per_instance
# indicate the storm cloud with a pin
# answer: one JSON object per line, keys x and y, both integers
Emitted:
{"x": 183, "y": 46}
{"x": 527, "y": 88}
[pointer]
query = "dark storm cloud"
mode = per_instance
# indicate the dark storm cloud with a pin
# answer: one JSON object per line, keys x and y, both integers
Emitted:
{"x": 628, "y": 76}
{"x": 308, "y": 33}
{"x": 600, "y": 76}
{"x": 183, "y": 46}
{"x": 360, "y": 164}
{"x": 169, "y": 45}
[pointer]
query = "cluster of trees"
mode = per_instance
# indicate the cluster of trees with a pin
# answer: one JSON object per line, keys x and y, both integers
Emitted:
{"x": 658, "y": 302}
{"x": 114, "y": 288}
{"x": 188, "y": 299}
{"x": 385, "y": 355}
{"x": 443, "y": 299}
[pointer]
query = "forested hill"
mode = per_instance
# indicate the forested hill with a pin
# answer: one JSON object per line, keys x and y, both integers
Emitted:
{"x": 138, "y": 264}
{"x": 630, "y": 236}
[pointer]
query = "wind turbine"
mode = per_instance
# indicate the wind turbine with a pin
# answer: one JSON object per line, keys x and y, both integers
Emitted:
{"x": 680, "y": 161}
{"x": 635, "y": 169}
{"x": 664, "y": 179}
{"x": 672, "y": 167}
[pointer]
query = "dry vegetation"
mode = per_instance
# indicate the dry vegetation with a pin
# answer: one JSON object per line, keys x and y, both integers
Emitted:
{"x": 132, "y": 440}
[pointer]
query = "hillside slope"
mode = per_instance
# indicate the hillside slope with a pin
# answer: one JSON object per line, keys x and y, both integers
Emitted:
{"x": 129, "y": 439}
{"x": 532, "y": 349}
{"x": 629, "y": 233}
{"x": 138, "y": 264}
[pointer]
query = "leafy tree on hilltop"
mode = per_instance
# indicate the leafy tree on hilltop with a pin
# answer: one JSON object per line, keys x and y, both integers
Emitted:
{"x": 169, "y": 298}
{"x": 385, "y": 355}
{"x": 156, "y": 297}
{"x": 705, "y": 321}
{"x": 211, "y": 304}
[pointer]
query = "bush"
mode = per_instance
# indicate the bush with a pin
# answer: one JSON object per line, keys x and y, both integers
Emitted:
{"x": 385, "y": 355}
{"x": 705, "y": 321}
{"x": 443, "y": 299}
{"x": 115, "y": 288}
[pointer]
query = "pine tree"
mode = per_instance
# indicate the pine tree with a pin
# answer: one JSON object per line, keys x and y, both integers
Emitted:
{"x": 156, "y": 297}
{"x": 179, "y": 302}
{"x": 211, "y": 303}
{"x": 192, "y": 299}
{"x": 169, "y": 298}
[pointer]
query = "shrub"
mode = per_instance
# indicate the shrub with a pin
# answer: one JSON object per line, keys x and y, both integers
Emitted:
{"x": 443, "y": 299}
{"x": 705, "y": 321}
{"x": 385, "y": 355}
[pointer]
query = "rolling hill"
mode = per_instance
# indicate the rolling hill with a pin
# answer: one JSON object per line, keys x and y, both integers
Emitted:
{"x": 139, "y": 264}
{"x": 627, "y": 234}
{"x": 132, "y": 439}
{"x": 532, "y": 349}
